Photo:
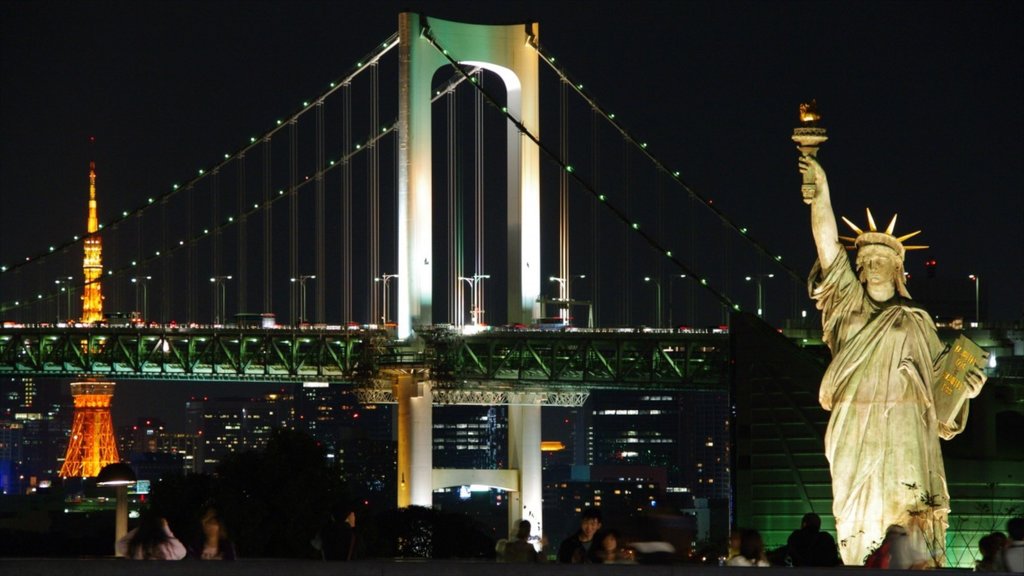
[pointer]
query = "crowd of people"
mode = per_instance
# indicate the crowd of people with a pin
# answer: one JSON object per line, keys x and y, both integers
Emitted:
{"x": 591, "y": 543}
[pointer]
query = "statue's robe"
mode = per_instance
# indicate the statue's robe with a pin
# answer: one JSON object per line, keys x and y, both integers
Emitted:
{"x": 882, "y": 442}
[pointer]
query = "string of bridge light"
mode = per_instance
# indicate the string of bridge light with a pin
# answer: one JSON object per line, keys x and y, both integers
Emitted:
{"x": 642, "y": 146}
{"x": 635, "y": 226}
{"x": 371, "y": 58}
{"x": 452, "y": 84}
{"x": 206, "y": 232}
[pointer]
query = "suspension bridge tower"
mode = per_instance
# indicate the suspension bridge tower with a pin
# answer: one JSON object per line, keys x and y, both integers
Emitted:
{"x": 426, "y": 45}
{"x": 92, "y": 264}
{"x": 92, "y": 445}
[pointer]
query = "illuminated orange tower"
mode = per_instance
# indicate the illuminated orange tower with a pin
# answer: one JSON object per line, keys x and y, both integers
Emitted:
{"x": 92, "y": 444}
{"x": 92, "y": 264}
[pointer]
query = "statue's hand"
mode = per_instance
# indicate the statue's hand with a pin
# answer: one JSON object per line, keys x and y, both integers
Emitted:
{"x": 812, "y": 172}
{"x": 974, "y": 380}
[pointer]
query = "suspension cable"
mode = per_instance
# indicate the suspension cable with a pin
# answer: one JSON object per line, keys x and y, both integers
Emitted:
{"x": 619, "y": 213}
{"x": 642, "y": 147}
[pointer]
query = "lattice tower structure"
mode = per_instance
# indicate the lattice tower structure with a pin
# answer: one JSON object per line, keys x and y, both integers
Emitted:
{"x": 93, "y": 444}
{"x": 92, "y": 264}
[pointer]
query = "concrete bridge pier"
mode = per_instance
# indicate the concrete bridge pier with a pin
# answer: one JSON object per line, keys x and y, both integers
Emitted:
{"x": 524, "y": 438}
{"x": 415, "y": 441}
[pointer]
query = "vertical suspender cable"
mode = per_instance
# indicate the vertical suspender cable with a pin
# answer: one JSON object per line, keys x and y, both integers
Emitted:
{"x": 190, "y": 284}
{"x": 690, "y": 292}
{"x": 240, "y": 264}
{"x": 140, "y": 256}
{"x": 321, "y": 244}
{"x": 452, "y": 282}
{"x": 659, "y": 194}
{"x": 595, "y": 242}
{"x": 478, "y": 217}
{"x": 725, "y": 270}
{"x": 165, "y": 267}
{"x": 373, "y": 169}
{"x": 624, "y": 313}
{"x": 563, "y": 201}
{"x": 346, "y": 205}
{"x": 268, "y": 236}
{"x": 293, "y": 217}
{"x": 215, "y": 225}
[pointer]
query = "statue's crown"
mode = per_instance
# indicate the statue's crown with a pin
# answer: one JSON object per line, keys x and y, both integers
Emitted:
{"x": 874, "y": 236}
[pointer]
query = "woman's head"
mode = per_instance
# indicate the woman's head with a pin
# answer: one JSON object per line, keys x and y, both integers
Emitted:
{"x": 151, "y": 531}
{"x": 751, "y": 545}
{"x": 609, "y": 540}
{"x": 213, "y": 526}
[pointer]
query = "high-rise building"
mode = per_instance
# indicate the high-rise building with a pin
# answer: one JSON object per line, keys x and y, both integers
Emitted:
{"x": 44, "y": 423}
{"x": 470, "y": 437}
{"x": 10, "y": 456}
{"x": 637, "y": 429}
{"x": 686, "y": 433}
{"x": 235, "y": 424}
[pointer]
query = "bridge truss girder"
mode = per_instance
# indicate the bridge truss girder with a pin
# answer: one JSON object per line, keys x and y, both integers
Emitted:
{"x": 194, "y": 354}
{"x": 483, "y": 368}
{"x": 584, "y": 360}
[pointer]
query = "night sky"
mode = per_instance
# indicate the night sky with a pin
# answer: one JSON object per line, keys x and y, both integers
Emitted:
{"x": 923, "y": 103}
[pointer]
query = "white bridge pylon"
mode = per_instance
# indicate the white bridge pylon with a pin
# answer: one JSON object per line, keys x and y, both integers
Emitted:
{"x": 507, "y": 51}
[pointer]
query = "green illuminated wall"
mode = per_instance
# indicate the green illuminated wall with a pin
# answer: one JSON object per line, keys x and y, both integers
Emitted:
{"x": 780, "y": 468}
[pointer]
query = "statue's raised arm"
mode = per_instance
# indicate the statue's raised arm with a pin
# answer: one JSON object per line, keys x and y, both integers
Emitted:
{"x": 823, "y": 219}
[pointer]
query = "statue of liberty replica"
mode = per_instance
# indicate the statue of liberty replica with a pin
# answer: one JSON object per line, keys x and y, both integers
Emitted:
{"x": 887, "y": 387}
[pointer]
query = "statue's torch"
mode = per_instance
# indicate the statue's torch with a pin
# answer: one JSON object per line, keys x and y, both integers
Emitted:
{"x": 808, "y": 136}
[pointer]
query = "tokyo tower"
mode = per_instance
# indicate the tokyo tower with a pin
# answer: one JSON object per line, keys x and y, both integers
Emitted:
{"x": 92, "y": 444}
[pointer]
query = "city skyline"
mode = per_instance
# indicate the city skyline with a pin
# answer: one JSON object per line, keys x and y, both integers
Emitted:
{"x": 748, "y": 77}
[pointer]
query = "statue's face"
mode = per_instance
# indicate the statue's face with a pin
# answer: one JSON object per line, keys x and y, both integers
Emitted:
{"x": 878, "y": 265}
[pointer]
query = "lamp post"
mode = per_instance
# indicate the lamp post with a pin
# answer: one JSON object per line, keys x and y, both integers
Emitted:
{"x": 475, "y": 312}
{"x": 384, "y": 289}
{"x": 563, "y": 294}
{"x": 65, "y": 286}
{"x": 120, "y": 476}
{"x": 977, "y": 299}
{"x": 142, "y": 280}
{"x": 671, "y": 307}
{"x": 590, "y": 303}
{"x": 220, "y": 296}
{"x": 302, "y": 294}
{"x": 657, "y": 300}
{"x": 759, "y": 280}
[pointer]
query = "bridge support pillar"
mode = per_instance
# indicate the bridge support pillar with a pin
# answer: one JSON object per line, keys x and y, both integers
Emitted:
{"x": 415, "y": 441}
{"x": 524, "y": 438}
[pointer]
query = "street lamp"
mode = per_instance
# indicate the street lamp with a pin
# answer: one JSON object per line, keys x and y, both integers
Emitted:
{"x": 563, "y": 295}
{"x": 120, "y": 476}
{"x": 589, "y": 303}
{"x": 759, "y": 279}
{"x": 671, "y": 312}
{"x": 657, "y": 300}
{"x": 384, "y": 289}
{"x": 302, "y": 294}
{"x": 475, "y": 312}
{"x": 977, "y": 300}
{"x": 65, "y": 286}
{"x": 142, "y": 280}
{"x": 221, "y": 297}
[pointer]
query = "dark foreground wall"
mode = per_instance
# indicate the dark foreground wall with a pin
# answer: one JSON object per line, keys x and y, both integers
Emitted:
{"x": 89, "y": 567}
